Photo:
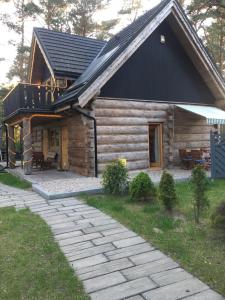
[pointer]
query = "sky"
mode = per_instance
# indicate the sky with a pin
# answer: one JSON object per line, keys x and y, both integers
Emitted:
{"x": 8, "y": 51}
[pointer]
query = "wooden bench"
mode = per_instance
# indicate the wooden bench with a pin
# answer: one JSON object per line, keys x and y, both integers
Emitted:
{"x": 50, "y": 160}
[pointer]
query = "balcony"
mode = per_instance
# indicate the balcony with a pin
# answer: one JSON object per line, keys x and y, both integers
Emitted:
{"x": 28, "y": 98}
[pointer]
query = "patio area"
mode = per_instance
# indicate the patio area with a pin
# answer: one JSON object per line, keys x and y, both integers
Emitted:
{"x": 52, "y": 184}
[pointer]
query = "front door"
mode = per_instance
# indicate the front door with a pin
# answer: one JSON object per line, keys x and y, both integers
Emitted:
{"x": 155, "y": 145}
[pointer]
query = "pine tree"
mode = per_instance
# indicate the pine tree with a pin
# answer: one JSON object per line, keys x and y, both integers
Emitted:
{"x": 208, "y": 18}
{"x": 103, "y": 29}
{"x": 54, "y": 14}
{"x": 131, "y": 8}
{"x": 4, "y": 90}
{"x": 23, "y": 11}
{"x": 81, "y": 17}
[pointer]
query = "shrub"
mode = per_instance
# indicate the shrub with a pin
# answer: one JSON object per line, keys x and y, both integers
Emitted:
{"x": 167, "y": 191}
{"x": 142, "y": 188}
{"x": 199, "y": 183}
{"x": 218, "y": 217}
{"x": 115, "y": 178}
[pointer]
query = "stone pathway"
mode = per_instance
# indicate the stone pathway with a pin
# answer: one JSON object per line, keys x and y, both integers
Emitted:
{"x": 112, "y": 261}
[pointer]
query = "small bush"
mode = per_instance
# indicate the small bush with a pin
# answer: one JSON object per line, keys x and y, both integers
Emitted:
{"x": 142, "y": 188}
{"x": 200, "y": 185}
{"x": 115, "y": 178}
{"x": 218, "y": 217}
{"x": 167, "y": 191}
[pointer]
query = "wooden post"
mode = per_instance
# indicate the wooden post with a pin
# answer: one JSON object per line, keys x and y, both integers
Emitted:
{"x": 27, "y": 146}
{"x": 12, "y": 148}
{"x": 64, "y": 149}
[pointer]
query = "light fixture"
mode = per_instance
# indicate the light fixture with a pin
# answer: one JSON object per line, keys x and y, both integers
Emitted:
{"x": 162, "y": 39}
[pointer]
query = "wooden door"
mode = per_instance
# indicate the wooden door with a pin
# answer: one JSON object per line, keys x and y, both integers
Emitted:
{"x": 64, "y": 149}
{"x": 155, "y": 145}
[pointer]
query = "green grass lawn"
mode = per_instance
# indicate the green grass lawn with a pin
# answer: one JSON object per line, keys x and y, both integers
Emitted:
{"x": 200, "y": 249}
{"x": 11, "y": 180}
{"x": 31, "y": 263}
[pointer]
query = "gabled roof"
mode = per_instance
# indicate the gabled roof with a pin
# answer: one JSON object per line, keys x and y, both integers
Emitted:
{"x": 68, "y": 55}
{"x": 118, "y": 50}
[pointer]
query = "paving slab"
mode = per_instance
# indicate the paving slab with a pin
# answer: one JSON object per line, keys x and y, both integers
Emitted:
{"x": 93, "y": 214}
{"x": 149, "y": 268}
{"x": 177, "y": 290}
{"x": 89, "y": 261}
{"x": 146, "y": 257}
{"x": 206, "y": 295}
{"x": 138, "y": 297}
{"x": 101, "y": 282}
{"x": 129, "y": 251}
{"x": 64, "y": 224}
{"x": 101, "y": 228}
{"x": 61, "y": 229}
{"x": 114, "y": 231}
{"x": 67, "y": 235}
{"x": 104, "y": 268}
{"x": 75, "y": 254}
{"x": 170, "y": 276}
{"x": 78, "y": 239}
{"x": 113, "y": 238}
{"x": 77, "y": 247}
{"x": 124, "y": 290}
{"x": 129, "y": 242}
{"x": 70, "y": 228}
{"x": 103, "y": 222}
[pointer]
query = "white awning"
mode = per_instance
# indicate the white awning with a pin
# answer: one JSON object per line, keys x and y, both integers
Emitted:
{"x": 213, "y": 115}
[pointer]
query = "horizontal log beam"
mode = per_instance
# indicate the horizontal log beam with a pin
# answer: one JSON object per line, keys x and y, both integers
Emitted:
{"x": 191, "y": 145}
{"x": 184, "y": 129}
{"x": 130, "y": 156}
{"x": 141, "y": 129}
{"x": 122, "y": 147}
{"x": 107, "y": 139}
{"x": 101, "y": 103}
{"x": 130, "y": 113}
{"x": 190, "y": 137}
{"x": 128, "y": 121}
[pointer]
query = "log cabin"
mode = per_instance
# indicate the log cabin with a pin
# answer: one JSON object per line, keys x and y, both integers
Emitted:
{"x": 149, "y": 91}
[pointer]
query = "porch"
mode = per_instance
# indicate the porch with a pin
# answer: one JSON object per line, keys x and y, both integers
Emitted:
{"x": 54, "y": 184}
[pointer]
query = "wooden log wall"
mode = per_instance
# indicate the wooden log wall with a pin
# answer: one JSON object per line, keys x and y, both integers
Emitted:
{"x": 77, "y": 144}
{"x": 190, "y": 131}
{"x": 81, "y": 145}
{"x": 122, "y": 131}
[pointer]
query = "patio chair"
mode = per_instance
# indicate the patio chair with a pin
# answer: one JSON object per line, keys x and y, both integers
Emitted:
{"x": 186, "y": 159}
{"x": 197, "y": 158}
{"x": 37, "y": 159}
{"x": 206, "y": 155}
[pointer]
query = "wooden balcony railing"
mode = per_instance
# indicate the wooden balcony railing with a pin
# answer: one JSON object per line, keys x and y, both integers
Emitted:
{"x": 28, "y": 97}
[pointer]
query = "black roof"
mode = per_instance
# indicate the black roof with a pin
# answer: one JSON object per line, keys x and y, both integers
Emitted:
{"x": 109, "y": 52}
{"x": 112, "y": 49}
{"x": 68, "y": 55}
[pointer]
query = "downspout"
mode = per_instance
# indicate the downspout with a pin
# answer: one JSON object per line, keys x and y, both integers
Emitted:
{"x": 95, "y": 135}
